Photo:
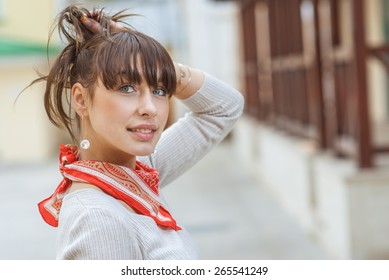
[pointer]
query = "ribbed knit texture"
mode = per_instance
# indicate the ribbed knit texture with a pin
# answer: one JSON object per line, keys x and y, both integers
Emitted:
{"x": 93, "y": 225}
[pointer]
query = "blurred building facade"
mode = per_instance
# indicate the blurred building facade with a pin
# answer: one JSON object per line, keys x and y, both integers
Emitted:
{"x": 316, "y": 123}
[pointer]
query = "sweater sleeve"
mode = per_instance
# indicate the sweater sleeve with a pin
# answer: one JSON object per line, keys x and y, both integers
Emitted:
{"x": 213, "y": 111}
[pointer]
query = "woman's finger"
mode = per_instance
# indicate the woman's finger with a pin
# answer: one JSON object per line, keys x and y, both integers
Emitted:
{"x": 91, "y": 24}
{"x": 115, "y": 26}
{"x": 95, "y": 14}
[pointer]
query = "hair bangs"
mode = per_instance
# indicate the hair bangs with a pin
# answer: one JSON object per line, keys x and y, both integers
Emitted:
{"x": 132, "y": 57}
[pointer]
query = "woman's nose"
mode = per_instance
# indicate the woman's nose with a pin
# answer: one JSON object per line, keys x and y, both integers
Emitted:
{"x": 147, "y": 107}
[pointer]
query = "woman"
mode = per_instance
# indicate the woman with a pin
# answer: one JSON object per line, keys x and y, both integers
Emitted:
{"x": 119, "y": 82}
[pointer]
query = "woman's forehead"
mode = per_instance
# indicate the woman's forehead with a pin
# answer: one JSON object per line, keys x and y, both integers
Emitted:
{"x": 131, "y": 58}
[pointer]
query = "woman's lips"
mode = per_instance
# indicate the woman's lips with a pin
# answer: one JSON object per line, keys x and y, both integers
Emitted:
{"x": 143, "y": 132}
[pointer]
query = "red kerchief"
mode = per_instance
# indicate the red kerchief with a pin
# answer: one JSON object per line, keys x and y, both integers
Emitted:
{"x": 138, "y": 188}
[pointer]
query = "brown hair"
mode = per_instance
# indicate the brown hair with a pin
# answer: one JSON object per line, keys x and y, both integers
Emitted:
{"x": 111, "y": 55}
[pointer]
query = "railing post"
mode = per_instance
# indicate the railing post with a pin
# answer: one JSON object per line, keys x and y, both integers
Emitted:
{"x": 363, "y": 118}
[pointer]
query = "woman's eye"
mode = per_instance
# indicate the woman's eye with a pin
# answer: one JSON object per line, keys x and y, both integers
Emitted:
{"x": 127, "y": 89}
{"x": 160, "y": 92}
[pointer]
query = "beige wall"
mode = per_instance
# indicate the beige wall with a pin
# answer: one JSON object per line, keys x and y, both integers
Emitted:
{"x": 28, "y": 20}
{"x": 26, "y": 134}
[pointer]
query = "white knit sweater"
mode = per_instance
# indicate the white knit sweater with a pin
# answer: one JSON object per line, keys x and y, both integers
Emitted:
{"x": 94, "y": 225}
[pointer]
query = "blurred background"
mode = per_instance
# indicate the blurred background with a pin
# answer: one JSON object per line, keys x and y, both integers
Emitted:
{"x": 303, "y": 175}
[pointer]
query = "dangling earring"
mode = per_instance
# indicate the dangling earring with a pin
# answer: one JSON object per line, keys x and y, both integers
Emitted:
{"x": 84, "y": 144}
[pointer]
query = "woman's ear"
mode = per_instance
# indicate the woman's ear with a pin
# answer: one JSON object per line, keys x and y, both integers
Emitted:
{"x": 80, "y": 99}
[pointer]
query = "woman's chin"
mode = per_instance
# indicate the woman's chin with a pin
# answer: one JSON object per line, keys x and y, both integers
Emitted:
{"x": 145, "y": 152}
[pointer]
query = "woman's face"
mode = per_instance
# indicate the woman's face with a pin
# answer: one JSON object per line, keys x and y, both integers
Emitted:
{"x": 124, "y": 123}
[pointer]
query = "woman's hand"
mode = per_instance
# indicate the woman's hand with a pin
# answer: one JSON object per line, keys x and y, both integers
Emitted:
{"x": 93, "y": 25}
{"x": 189, "y": 80}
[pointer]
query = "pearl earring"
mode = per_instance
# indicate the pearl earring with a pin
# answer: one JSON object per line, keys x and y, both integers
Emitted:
{"x": 84, "y": 144}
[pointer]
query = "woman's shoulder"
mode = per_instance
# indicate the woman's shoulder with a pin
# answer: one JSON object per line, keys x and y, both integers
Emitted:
{"x": 87, "y": 197}
{"x": 90, "y": 222}
{"x": 93, "y": 204}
